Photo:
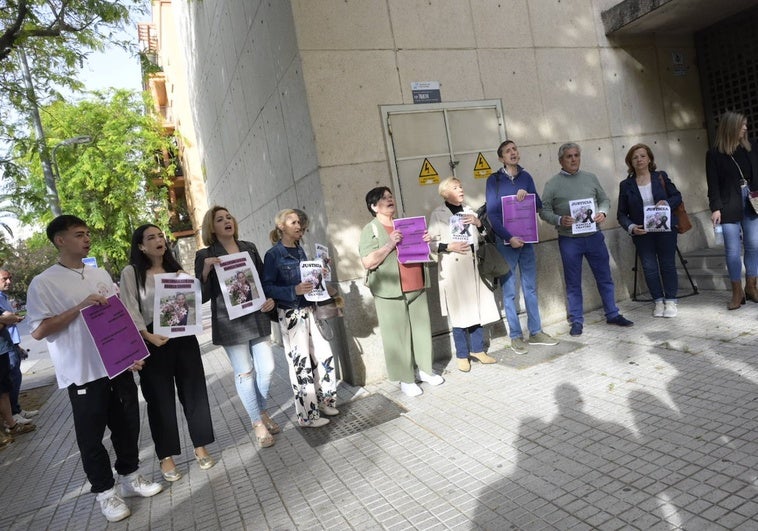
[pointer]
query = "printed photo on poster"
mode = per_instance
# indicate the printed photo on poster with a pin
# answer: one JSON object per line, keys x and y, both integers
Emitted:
{"x": 116, "y": 337}
{"x": 657, "y": 218}
{"x": 240, "y": 284}
{"x": 583, "y": 211}
{"x": 178, "y": 305}
{"x": 459, "y": 230}
{"x": 412, "y": 248}
{"x": 322, "y": 253}
{"x": 313, "y": 272}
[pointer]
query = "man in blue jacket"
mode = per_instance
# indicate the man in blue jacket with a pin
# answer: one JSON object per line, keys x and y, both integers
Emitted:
{"x": 512, "y": 179}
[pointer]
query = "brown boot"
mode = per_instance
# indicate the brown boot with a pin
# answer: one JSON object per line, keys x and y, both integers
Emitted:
{"x": 751, "y": 290}
{"x": 738, "y": 296}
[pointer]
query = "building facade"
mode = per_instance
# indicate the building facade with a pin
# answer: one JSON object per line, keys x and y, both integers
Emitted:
{"x": 309, "y": 105}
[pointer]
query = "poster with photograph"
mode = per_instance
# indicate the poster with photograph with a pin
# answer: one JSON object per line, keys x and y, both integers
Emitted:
{"x": 657, "y": 218}
{"x": 322, "y": 253}
{"x": 313, "y": 272}
{"x": 459, "y": 229}
{"x": 240, "y": 285}
{"x": 177, "y": 308}
{"x": 520, "y": 217}
{"x": 116, "y": 337}
{"x": 583, "y": 211}
{"x": 412, "y": 248}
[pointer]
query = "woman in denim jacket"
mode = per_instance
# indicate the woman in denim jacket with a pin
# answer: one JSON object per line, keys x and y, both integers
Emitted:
{"x": 309, "y": 356}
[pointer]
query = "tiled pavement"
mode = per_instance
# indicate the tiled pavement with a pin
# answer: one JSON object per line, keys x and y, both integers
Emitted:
{"x": 651, "y": 427}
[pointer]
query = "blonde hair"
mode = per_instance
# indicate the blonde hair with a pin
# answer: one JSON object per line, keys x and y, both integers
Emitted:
{"x": 281, "y": 216}
{"x": 209, "y": 237}
{"x": 728, "y": 133}
{"x": 446, "y": 184}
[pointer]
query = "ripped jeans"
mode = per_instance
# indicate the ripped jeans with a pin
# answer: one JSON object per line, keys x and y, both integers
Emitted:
{"x": 252, "y": 388}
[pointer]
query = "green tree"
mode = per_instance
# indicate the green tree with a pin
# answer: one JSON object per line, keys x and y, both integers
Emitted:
{"x": 114, "y": 183}
{"x": 26, "y": 260}
{"x": 57, "y": 36}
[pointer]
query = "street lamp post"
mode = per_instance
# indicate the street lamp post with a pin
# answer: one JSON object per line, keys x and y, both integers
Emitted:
{"x": 83, "y": 139}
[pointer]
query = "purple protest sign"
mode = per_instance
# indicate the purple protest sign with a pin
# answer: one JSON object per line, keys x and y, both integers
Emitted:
{"x": 117, "y": 339}
{"x": 520, "y": 217}
{"x": 412, "y": 248}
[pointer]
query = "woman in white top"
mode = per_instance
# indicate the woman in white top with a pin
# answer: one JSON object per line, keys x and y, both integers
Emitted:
{"x": 644, "y": 186}
{"x": 173, "y": 363}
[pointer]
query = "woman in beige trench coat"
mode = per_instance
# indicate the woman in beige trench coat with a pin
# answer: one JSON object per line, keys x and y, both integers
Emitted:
{"x": 464, "y": 299}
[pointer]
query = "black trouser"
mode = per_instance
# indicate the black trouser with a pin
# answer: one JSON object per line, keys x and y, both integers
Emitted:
{"x": 111, "y": 403}
{"x": 179, "y": 363}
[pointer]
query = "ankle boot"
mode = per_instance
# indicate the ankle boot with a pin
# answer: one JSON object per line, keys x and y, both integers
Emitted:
{"x": 751, "y": 290}
{"x": 738, "y": 296}
{"x": 483, "y": 357}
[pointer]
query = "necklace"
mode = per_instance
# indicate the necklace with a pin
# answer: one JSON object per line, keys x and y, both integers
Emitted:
{"x": 80, "y": 273}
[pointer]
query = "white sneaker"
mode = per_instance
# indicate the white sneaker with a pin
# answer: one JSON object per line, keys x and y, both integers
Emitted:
{"x": 669, "y": 309}
{"x": 112, "y": 506}
{"x": 21, "y": 420}
{"x": 410, "y": 389}
{"x": 431, "y": 379}
{"x": 29, "y": 414}
{"x": 658, "y": 310}
{"x": 328, "y": 410}
{"x": 135, "y": 485}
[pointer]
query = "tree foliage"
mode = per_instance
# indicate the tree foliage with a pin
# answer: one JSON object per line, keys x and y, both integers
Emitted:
{"x": 57, "y": 36}
{"x": 113, "y": 183}
{"x": 25, "y": 261}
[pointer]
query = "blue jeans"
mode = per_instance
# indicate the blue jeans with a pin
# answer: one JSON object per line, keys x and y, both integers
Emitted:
{"x": 573, "y": 250}
{"x": 733, "y": 247}
{"x": 524, "y": 258}
{"x": 253, "y": 391}
{"x": 462, "y": 337}
{"x": 15, "y": 375}
{"x": 657, "y": 252}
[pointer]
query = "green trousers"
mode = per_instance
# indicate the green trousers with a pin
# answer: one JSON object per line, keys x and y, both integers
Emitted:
{"x": 406, "y": 334}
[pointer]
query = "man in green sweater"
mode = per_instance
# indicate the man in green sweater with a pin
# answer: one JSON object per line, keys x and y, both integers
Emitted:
{"x": 565, "y": 202}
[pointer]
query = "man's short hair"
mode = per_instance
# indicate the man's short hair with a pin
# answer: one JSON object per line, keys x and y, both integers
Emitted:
{"x": 565, "y": 147}
{"x": 61, "y": 224}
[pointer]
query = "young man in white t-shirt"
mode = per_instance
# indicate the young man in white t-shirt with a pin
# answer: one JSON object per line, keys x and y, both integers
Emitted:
{"x": 54, "y": 301}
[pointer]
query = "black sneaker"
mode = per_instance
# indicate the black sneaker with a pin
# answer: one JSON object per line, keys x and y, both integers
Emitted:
{"x": 576, "y": 329}
{"x": 620, "y": 320}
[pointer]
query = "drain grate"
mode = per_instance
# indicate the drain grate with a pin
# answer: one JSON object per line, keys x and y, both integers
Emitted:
{"x": 354, "y": 417}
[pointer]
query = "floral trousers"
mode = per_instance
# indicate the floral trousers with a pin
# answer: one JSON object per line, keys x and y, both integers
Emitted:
{"x": 311, "y": 363}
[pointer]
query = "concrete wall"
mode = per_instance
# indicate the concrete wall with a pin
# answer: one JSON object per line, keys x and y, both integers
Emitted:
{"x": 286, "y": 99}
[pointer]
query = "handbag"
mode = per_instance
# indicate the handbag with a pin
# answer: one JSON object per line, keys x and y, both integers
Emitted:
{"x": 752, "y": 197}
{"x": 684, "y": 224}
{"x": 491, "y": 264}
{"x": 328, "y": 309}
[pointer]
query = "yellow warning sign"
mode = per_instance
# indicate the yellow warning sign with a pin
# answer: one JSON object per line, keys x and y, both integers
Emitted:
{"x": 482, "y": 168}
{"x": 428, "y": 175}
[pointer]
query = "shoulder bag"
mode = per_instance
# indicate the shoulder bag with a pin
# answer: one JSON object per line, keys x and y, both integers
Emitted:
{"x": 684, "y": 224}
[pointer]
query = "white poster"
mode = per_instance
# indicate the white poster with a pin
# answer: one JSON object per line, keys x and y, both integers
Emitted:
{"x": 177, "y": 308}
{"x": 583, "y": 211}
{"x": 459, "y": 229}
{"x": 657, "y": 218}
{"x": 322, "y": 253}
{"x": 240, "y": 285}
{"x": 313, "y": 272}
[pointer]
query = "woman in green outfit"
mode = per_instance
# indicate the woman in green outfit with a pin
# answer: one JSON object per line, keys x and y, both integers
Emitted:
{"x": 399, "y": 292}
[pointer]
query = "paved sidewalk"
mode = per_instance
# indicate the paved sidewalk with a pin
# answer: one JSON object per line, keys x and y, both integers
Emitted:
{"x": 650, "y": 427}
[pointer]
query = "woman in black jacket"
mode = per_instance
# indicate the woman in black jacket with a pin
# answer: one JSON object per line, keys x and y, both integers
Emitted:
{"x": 657, "y": 250}
{"x": 245, "y": 339}
{"x": 731, "y": 168}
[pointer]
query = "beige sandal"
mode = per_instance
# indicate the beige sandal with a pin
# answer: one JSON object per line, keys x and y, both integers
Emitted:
{"x": 264, "y": 440}
{"x": 272, "y": 427}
